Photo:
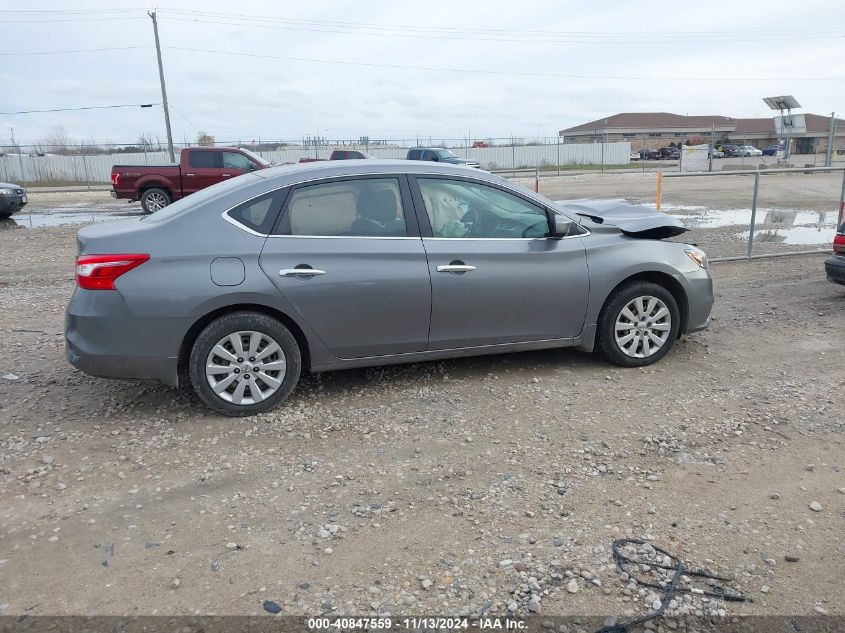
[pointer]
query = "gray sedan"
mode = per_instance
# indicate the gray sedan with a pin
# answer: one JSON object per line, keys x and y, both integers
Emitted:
{"x": 240, "y": 287}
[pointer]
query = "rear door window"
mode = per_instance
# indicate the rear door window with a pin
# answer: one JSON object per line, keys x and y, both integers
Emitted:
{"x": 201, "y": 159}
{"x": 370, "y": 207}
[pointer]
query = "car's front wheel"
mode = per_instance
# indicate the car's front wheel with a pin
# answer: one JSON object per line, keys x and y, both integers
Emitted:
{"x": 638, "y": 324}
{"x": 244, "y": 363}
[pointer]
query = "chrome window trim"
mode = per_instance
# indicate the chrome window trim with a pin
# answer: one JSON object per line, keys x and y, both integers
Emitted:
{"x": 343, "y": 237}
{"x": 241, "y": 226}
{"x": 225, "y": 215}
{"x": 507, "y": 239}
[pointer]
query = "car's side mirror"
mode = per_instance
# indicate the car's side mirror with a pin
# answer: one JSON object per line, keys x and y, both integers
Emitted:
{"x": 252, "y": 167}
{"x": 560, "y": 225}
{"x": 434, "y": 158}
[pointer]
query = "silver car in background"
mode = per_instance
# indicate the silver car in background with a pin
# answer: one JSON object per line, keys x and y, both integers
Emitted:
{"x": 240, "y": 287}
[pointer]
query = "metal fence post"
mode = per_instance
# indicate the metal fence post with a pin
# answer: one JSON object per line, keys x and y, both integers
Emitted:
{"x": 20, "y": 163}
{"x": 85, "y": 165}
{"x": 753, "y": 214}
{"x": 659, "y": 197}
{"x": 558, "y": 154}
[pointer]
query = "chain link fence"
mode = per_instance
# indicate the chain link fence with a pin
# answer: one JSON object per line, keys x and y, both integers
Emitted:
{"x": 88, "y": 164}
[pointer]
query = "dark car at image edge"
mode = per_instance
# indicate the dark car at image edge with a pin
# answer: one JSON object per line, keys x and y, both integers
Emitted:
{"x": 12, "y": 199}
{"x": 834, "y": 266}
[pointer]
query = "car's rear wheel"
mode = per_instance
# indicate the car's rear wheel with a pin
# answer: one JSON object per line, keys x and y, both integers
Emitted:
{"x": 154, "y": 199}
{"x": 638, "y": 324}
{"x": 244, "y": 363}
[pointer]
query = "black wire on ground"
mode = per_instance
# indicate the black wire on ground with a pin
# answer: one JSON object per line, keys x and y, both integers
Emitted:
{"x": 670, "y": 589}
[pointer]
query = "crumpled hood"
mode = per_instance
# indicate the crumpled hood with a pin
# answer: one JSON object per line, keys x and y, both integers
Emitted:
{"x": 632, "y": 219}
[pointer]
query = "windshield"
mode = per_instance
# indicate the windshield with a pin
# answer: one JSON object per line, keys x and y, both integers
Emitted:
{"x": 444, "y": 153}
{"x": 255, "y": 157}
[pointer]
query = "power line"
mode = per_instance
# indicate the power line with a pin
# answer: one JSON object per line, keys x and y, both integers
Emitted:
{"x": 72, "y": 19}
{"x": 105, "y": 107}
{"x": 494, "y": 72}
{"x": 76, "y": 50}
{"x": 423, "y": 68}
{"x": 463, "y": 36}
{"x": 743, "y": 33}
{"x": 64, "y": 11}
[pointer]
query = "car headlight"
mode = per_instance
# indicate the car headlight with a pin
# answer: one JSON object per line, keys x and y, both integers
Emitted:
{"x": 6, "y": 192}
{"x": 698, "y": 256}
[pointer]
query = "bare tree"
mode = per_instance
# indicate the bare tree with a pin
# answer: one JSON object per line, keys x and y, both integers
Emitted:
{"x": 205, "y": 139}
{"x": 145, "y": 141}
{"x": 57, "y": 141}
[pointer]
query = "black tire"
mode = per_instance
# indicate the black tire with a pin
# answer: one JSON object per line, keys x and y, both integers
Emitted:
{"x": 228, "y": 324}
{"x": 606, "y": 342}
{"x": 152, "y": 198}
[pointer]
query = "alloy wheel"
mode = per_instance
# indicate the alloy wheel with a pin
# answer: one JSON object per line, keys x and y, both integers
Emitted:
{"x": 245, "y": 367}
{"x": 642, "y": 327}
{"x": 156, "y": 201}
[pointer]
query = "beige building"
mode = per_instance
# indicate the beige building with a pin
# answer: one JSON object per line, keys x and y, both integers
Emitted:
{"x": 659, "y": 129}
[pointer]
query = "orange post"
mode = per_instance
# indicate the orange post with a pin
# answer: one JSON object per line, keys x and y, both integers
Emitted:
{"x": 659, "y": 188}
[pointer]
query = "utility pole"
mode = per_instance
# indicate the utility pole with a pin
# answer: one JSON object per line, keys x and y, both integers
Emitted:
{"x": 152, "y": 15}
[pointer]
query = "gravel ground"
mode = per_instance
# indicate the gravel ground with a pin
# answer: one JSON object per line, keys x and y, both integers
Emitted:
{"x": 490, "y": 485}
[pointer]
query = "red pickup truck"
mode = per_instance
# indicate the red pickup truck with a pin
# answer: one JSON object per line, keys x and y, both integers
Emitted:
{"x": 156, "y": 186}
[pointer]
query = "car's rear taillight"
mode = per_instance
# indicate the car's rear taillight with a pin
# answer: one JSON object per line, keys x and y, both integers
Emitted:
{"x": 115, "y": 176}
{"x": 839, "y": 243}
{"x": 98, "y": 272}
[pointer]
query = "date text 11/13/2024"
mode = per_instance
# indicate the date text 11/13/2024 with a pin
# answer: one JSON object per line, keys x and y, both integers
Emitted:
{"x": 416, "y": 623}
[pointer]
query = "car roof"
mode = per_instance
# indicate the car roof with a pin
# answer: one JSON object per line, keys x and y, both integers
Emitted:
{"x": 300, "y": 172}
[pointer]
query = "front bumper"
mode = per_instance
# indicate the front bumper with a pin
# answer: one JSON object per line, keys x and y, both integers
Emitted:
{"x": 834, "y": 267}
{"x": 105, "y": 339}
{"x": 12, "y": 204}
{"x": 699, "y": 291}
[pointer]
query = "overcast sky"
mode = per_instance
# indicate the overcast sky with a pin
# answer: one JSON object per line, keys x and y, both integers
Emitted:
{"x": 672, "y": 50}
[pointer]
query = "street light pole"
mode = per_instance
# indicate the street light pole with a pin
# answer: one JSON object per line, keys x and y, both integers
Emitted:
{"x": 152, "y": 15}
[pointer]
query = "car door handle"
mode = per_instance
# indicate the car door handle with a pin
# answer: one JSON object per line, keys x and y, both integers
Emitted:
{"x": 301, "y": 272}
{"x": 190, "y": 174}
{"x": 455, "y": 268}
{"x": 226, "y": 175}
